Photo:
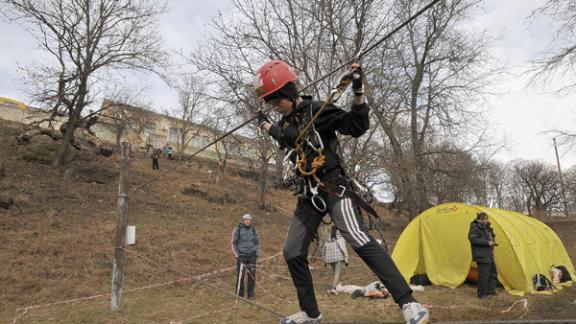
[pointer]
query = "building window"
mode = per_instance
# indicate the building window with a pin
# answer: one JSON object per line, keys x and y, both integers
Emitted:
{"x": 196, "y": 140}
{"x": 205, "y": 140}
{"x": 173, "y": 135}
{"x": 150, "y": 129}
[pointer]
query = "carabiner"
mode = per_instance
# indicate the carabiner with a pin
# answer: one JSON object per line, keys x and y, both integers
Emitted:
{"x": 289, "y": 167}
{"x": 317, "y": 201}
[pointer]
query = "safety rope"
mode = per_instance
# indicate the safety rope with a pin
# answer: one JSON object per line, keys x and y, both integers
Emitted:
{"x": 357, "y": 57}
{"x": 334, "y": 95}
{"x": 320, "y": 159}
{"x": 372, "y": 47}
{"x": 202, "y": 282}
{"x": 189, "y": 158}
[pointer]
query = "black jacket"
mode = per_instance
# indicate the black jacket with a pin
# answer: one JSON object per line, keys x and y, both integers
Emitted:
{"x": 479, "y": 236}
{"x": 332, "y": 119}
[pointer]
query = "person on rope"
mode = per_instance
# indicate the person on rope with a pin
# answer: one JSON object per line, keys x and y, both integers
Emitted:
{"x": 482, "y": 241}
{"x": 335, "y": 254}
{"x": 325, "y": 188}
{"x": 246, "y": 247}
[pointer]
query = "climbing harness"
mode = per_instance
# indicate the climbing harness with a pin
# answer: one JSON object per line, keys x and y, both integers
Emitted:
{"x": 357, "y": 57}
{"x": 317, "y": 201}
{"x": 303, "y": 137}
{"x": 289, "y": 168}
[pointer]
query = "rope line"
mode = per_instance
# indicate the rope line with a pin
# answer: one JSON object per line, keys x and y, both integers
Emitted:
{"x": 359, "y": 56}
{"x": 202, "y": 282}
{"x": 24, "y": 310}
{"x": 371, "y": 48}
{"x": 194, "y": 154}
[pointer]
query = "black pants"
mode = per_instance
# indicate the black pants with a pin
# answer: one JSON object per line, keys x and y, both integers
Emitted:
{"x": 348, "y": 220}
{"x": 245, "y": 267}
{"x": 487, "y": 278}
{"x": 155, "y": 165}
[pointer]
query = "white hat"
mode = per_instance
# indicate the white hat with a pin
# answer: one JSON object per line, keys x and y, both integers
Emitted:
{"x": 246, "y": 216}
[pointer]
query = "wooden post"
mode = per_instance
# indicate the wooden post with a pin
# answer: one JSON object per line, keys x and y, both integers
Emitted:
{"x": 562, "y": 191}
{"x": 121, "y": 222}
{"x": 1, "y": 170}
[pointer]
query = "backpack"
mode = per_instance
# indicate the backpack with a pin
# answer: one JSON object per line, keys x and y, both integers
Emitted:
{"x": 541, "y": 282}
{"x": 420, "y": 279}
{"x": 565, "y": 273}
{"x": 555, "y": 274}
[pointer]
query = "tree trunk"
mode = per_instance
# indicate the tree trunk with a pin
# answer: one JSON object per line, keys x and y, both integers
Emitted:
{"x": 25, "y": 137}
{"x": 62, "y": 152}
{"x": 119, "y": 132}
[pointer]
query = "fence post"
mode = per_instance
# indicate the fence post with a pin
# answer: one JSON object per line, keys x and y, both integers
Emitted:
{"x": 1, "y": 171}
{"x": 121, "y": 222}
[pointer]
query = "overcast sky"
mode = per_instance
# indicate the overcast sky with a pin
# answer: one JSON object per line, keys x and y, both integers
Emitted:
{"x": 521, "y": 114}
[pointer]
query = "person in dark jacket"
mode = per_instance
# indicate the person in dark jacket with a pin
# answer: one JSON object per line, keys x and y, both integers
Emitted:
{"x": 246, "y": 247}
{"x": 155, "y": 157}
{"x": 483, "y": 241}
{"x": 328, "y": 190}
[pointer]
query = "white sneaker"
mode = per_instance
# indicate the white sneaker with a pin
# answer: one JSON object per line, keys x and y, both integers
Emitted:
{"x": 414, "y": 313}
{"x": 301, "y": 318}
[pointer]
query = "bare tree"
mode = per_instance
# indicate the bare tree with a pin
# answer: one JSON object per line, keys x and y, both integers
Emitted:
{"x": 496, "y": 180}
{"x": 515, "y": 198}
{"x": 129, "y": 117}
{"x": 570, "y": 183}
{"x": 220, "y": 122}
{"x": 559, "y": 64}
{"x": 84, "y": 39}
{"x": 191, "y": 99}
{"x": 540, "y": 185}
{"x": 454, "y": 175}
{"x": 417, "y": 84}
{"x": 433, "y": 69}
{"x": 313, "y": 36}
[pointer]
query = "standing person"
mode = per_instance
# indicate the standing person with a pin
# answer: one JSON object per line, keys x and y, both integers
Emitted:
{"x": 483, "y": 241}
{"x": 246, "y": 246}
{"x": 336, "y": 255}
{"x": 165, "y": 150}
{"x": 169, "y": 152}
{"x": 326, "y": 190}
{"x": 148, "y": 145}
{"x": 155, "y": 156}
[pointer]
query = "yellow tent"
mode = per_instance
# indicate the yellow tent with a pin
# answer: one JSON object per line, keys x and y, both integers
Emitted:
{"x": 436, "y": 243}
{"x": 12, "y": 102}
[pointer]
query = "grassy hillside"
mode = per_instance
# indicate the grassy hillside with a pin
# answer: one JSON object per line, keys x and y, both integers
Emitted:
{"x": 57, "y": 246}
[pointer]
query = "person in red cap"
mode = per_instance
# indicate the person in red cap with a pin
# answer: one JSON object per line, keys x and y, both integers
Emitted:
{"x": 329, "y": 189}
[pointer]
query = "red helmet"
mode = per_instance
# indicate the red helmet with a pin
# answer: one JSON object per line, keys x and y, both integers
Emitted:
{"x": 272, "y": 76}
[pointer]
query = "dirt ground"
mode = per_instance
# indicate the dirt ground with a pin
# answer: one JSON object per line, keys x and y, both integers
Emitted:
{"x": 57, "y": 247}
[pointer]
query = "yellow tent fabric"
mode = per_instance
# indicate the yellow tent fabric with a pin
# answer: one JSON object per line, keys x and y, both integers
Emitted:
{"x": 13, "y": 102}
{"x": 436, "y": 243}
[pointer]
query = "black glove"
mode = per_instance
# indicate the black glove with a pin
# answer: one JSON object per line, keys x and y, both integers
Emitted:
{"x": 357, "y": 83}
{"x": 262, "y": 118}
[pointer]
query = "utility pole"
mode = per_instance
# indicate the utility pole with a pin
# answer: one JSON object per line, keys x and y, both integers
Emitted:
{"x": 561, "y": 180}
{"x": 121, "y": 223}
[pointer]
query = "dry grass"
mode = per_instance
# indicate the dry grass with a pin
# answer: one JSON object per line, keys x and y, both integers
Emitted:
{"x": 57, "y": 244}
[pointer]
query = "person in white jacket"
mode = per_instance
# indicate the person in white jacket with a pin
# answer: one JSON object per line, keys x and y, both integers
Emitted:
{"x": 336, "y": 255}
